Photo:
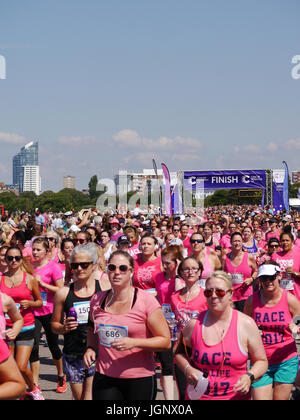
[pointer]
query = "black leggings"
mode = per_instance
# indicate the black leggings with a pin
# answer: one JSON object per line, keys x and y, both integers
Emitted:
{"x": 45, "y": 322}
{"x": 132, "y": 389}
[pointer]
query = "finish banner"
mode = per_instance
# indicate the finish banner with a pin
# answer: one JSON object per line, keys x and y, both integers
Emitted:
{"x": 235, "y": 179}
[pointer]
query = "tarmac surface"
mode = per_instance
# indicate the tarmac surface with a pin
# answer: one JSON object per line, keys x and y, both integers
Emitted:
{"x": 48, "y": 379}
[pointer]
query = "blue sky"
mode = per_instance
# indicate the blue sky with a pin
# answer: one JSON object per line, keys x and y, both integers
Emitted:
{"x": 105, "y": 85}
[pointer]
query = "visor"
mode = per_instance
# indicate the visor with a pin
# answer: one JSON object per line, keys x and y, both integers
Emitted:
{"x": 268, "y": 270}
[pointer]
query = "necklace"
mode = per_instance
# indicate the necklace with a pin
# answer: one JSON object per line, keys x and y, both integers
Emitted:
{"x": 119, "y": 302}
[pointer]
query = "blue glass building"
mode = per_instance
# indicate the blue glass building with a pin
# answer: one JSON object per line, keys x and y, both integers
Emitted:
{"x": 28, "y": 156}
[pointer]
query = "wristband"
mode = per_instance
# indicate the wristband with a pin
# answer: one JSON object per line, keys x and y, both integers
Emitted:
{"x": 185, "y": 369}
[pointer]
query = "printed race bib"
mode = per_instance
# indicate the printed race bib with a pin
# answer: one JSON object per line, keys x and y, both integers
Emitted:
{"x": 237, "y": 278}
{"x": 82, "y": 310}
{"x": 287, "y": 284}
{"x": 166, "y": 308}
{"x": 201, "y": 283}
{"x": 109, "y": 333}
{"x": 44, "y": 298}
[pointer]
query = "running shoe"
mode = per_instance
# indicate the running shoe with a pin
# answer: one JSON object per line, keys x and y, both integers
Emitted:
{"x": 35, "y": 395}
{"x": 61, "y": 384}
{"x": 296, "y": 394}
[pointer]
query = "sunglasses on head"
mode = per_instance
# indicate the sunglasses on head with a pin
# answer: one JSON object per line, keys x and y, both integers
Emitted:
{"x": 219, "y": 292}
{"x": 14, "y": 257}
{"x": 198, "y": 241}
{"x": 83, "y": 265}
{"x": 123, "y": 268}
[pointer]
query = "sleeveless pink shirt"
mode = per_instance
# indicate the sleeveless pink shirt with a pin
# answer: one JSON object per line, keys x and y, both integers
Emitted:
{"x": 225, "y": 362}
{"x": 239, "y": 274}
{"x": 18, "y": 294}
{"x": 284, "y": 259}
{"x": 4, "y": 350}
{"x": 274, "y": 323}
{"x": 184, "y": 310}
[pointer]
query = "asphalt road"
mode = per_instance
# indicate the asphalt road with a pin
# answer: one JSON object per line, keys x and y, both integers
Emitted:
{"x": 48, "y": 379}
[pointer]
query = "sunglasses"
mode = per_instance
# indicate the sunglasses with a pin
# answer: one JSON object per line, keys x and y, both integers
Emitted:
{"x": 10, "y": 258}
{"x": 81, "y": 241}
{"x": 83, "y": 265}
{"x": 198, "y": 241}
{"x": 51, "y": 239}
{"x": 274, "y": 246}
{"x": 123, "y": 268}
{"x": 219, "y": 292}
{"x": 264, "y": 279}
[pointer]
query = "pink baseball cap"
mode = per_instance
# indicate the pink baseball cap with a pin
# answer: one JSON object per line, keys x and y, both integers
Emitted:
{"x": 115, "y": 220}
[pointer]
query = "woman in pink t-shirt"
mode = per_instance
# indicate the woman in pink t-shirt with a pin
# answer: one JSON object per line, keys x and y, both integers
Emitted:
{"x": 50, "y": 278}
{"x": 126, "y": 326}
{"x": 147, "y": 265}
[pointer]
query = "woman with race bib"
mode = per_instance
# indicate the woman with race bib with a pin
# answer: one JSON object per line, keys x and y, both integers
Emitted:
{"x": 19, "y": 283}
{"x": 50, "y": 278}
{"x": 78, "y": 295}
{"x": 12, "y": 384}
{"x": 243, "y": 270}
{"x": 166, "y": 283}
{"x": 187, "y": 303}
{"x": 219, "y": 342}
{"x": 126, "y": 326}
{"x": 147, "y": 265}
{"x": 289, "y": 262}
{"x": 210, "y": 261}
{"x": 273, "y": 310}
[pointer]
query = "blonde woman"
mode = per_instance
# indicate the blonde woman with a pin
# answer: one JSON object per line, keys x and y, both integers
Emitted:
{"x": 221, "y": 340}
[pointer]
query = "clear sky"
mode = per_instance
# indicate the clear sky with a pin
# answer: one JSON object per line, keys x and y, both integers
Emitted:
{"x": 104, "y": 85}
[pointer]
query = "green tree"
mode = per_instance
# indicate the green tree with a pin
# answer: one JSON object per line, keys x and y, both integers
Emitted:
{"x": 93, "y": 187}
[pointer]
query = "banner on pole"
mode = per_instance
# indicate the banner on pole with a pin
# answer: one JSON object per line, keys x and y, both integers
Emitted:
{"x": 168, "y": 199}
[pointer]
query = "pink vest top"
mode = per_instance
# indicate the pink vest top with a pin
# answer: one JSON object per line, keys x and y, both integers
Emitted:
{"x": 225, "y": 362}
{"x": 274, "y": 324}
{"x": 239, "y": 274}
{"x": 4, "y": 350}
{"x": 18, "y": 294}
{"x": 291, "y": 283}
{"x": 184, "y": 310}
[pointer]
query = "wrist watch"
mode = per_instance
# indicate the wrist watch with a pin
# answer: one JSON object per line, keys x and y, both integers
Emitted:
{"x": 251, "y": 376}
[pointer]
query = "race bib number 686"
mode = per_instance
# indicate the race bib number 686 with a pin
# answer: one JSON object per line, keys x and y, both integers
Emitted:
{"x": 109, "y": 333}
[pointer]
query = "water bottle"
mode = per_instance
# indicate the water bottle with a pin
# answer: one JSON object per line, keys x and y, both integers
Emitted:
{"x": 173, "y": 327}
{"x": 72, "y": 313}
{"x": 196, "y": 392}
{"x": 296, "y": 331}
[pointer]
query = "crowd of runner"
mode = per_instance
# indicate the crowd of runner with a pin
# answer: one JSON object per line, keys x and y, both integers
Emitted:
{"x": 212, "y": 298}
